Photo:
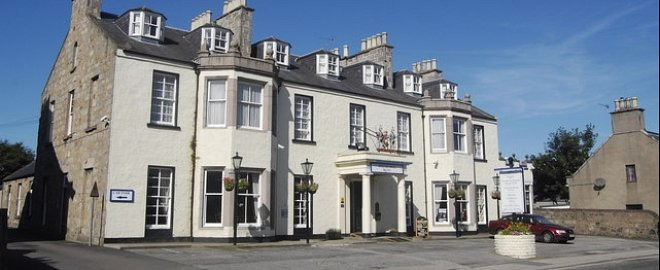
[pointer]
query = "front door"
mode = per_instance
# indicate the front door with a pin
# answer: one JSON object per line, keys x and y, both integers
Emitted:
{"x": 410, "y": 218}
{"x": 356, "y": 207}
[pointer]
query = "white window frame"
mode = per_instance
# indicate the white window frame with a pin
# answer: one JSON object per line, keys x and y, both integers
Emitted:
{"x": 19, "y": 200}
{"x": 357, "y": 124}
{"x": 159, "y": 197}
{"x": 163, "y": 100}
{"x": 631, "y": 173}
{"x": 208, "y": 194}
{"x": 299, "y": 205}
{"x": 466, "y": 201}
{"x": 439, "y": 201}
{"x": 140, "y": 24}
{"x": 243, "y": 121}
{"x": 302, "y": 117}
{"x": 70, "y": 114}
{"x": 482, "y": 197}
{"x": 459, "y": 134}
{"x": 216, "y": 39}
{"x": 280, "y": 52}
{"x": 417, "y": 84}
{"x": 478, "y": 138}
{"x": 408, "y": 83}
{"x": 218, "y": 100}
{"x": 403, "y": 131}
{"x": 373, "y": 74}
{"x": 255, "y": 194}
{"x": 442, "y": 133}
{"x": 327, "y": 64}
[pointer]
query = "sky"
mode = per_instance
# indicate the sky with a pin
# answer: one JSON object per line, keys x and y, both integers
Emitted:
{"x": 535, "y": 65}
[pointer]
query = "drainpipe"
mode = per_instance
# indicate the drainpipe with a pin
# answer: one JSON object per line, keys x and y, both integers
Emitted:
{"x": 426, "y": 201}
{"x": 193, "y": 157}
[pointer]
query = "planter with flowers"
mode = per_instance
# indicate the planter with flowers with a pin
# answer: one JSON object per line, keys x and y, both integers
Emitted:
{"x": 229, "y": 183}
{"x": 516, "y": 241}
{"x": 456, "y": 193}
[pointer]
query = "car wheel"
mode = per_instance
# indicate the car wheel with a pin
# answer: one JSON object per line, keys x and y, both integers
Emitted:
{"x": 548, "y": 237}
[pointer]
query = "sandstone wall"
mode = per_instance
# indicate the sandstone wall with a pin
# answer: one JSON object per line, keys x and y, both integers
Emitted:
{"x": 636, "y": 224}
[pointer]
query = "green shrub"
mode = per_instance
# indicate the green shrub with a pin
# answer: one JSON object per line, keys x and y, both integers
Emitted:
{"x": 516, "y": 228}
{"x": 333, "y": 234}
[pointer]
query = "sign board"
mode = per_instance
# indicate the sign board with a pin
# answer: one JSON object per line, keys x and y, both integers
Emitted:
{"x": 387, "y": 168}
{"x": 122, "y": 195}
{"x": 512, "y": 191}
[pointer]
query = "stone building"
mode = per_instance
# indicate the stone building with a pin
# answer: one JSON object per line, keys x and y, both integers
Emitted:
{"x": 154, "y": 116}
{"x": 623, "y": 172}
{"x": 16, "y": 195}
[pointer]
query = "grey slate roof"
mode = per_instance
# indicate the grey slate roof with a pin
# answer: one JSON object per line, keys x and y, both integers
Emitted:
{"x": 479, "y": 113}
{"x": 175, "y": 46}
{"x": 301, "y": 75}
{"x": 26, "y": 171}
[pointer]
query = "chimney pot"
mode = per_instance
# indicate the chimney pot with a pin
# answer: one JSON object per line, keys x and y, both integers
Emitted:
{"x": 345, "y": 50}
{"x": 384, "y": 35}
{"x": 363, "y": 44}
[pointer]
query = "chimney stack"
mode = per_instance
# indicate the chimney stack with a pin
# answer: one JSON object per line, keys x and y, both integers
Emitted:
{"x": 201, "y": 19}
{"x": 627, "y": 116}
{"x": 345, "y": 51}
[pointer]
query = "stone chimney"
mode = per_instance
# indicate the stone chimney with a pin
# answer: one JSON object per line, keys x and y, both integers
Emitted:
{"x": 237, "y": 17}
{"x": 345, "y": 52}
{"x": 428, "y": 69}
{"x": 82, "y": 8}
{"x": 627, "y": 116}
{"x": 201, "y": 19}
{"x": 375, "y": 49}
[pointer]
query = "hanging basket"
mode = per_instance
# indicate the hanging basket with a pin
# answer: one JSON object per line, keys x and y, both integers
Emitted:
{"x": 243, "y": 184}
{"x": 451, "y": 193}
{"x": 229, "y": 184}
{"x": 301, "y": 187}
{"x": 313, "y": 188}
{"x": 496, "y": 195}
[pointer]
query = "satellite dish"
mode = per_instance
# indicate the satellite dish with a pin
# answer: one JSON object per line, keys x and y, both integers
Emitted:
{"x": 599, "y": 184}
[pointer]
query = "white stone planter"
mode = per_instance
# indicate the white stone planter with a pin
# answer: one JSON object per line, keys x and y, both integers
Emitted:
{"x": 515, "y": 246}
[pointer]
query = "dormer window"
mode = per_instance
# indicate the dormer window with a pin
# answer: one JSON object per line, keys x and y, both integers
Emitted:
{"x": 448, "y": 90}
{"x": 146, "y": 24}
{"x": 215, "y": 39}
{"x": 327, "y": 64}
{"x": 412, "y": 84}
{"x": 280, "y": 52}
{"x": 373, "y": 74}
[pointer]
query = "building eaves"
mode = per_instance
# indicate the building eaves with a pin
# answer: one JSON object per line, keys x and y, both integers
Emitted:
{"x": 479, "y": 113}
{"x": 25, "y": 171}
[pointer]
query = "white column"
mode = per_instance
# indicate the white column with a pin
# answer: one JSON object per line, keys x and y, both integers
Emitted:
{"x": 366, "y": 203}
{"x": 401, "y": 204}
{"x": 341, "y": 212}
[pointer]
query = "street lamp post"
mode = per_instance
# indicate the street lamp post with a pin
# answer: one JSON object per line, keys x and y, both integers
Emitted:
{"x": 236, "y": 160}
{"x": 496, "y": 180}
{"x": 454, "y": 178}
{"x": 307, "y": 170}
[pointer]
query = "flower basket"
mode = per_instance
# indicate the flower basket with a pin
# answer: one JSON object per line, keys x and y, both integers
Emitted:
{"x": 313, "y": 188}
{"x": 301, "y": 187}
{"x": 456, "y": 193}
{"x": 496, "y": 195}
{"x": 229, "y": 184}
{"x": 451, "y": 193}
{"x": 243, "y": 184}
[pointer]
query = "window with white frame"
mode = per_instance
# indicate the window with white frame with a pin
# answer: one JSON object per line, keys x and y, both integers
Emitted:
{"x": 412, "y": 84}
{"x": 373, "y": 74}
{"x": 440, "y": 201}
{"x": 299, "y": 205}
{"x": 213, "y": 197}
{"x": 463, "y": 204}
{"x": 163, "y": 99}
{"x": 159, "y": 197}
{"x": 327, "y": 64}
{"x": 280, "y": 52}
{"x": 403, "y": 131}
{"x": 448, "y": 87}
{"x": 357, "y": 124}
{"x": 459, "y": 135}
{"x": 248, "y": 200}
{"x": 249, "y": 105}
{"x": 478, "y": 136}
{"x": 438, "y": 134}
{"x": 216, "y": 103}
{"x": 303, "y": 118}
{"x": 215, "y": 39}
{"x": 481, "y": 205}
{"x": 69, "y": 114}
{"x": 145, "y": 24}
{"x": 631, "y": 173}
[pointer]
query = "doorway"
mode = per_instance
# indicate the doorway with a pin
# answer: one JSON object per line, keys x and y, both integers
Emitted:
{"x": 410, "y": 217}
{"x": 356, "y": 207}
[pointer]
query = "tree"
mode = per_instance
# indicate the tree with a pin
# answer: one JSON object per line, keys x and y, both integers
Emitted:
{"x": 13, "y": 157}
{"x": 566, "y": 151}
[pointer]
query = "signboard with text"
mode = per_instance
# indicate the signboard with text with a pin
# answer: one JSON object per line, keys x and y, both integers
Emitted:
{"x": 512, "y": 190}
{"x": 122, "y": 195}
{"x": 387, "y": 168}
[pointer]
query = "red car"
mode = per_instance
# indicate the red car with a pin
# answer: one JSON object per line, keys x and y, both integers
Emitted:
{"x": 544, "y": 230}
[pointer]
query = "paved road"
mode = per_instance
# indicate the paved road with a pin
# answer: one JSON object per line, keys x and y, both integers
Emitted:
{"x": 586, "y": 253}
